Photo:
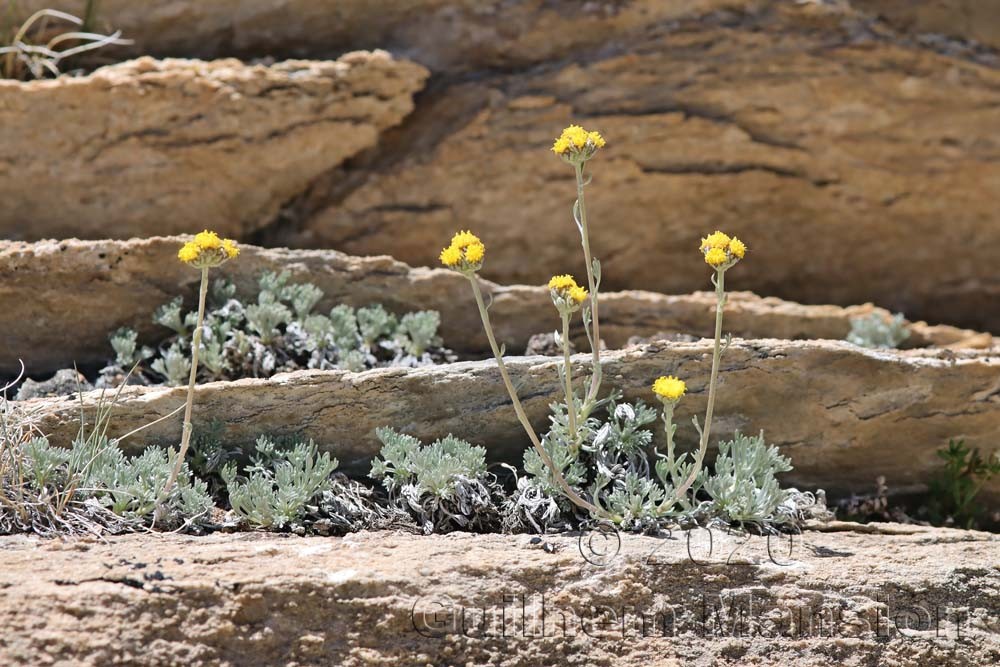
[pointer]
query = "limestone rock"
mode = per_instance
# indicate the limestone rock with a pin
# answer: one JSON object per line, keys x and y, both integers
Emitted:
{"x": 66, "y": 382}
{"x": 460, "y": 34}
{"x": 902, "y": 595}
{"x": 151, "y": 147}
{"x": 964, "y": 19}
{"x": 856, "y": 166}
{"x": 843, "y": 414}
{"x": 92, "y": 288}
{"x": 858, "y": 158}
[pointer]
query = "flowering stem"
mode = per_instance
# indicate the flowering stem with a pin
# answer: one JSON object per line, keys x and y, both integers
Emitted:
{"x": 668, "y": 427}
{"x": 595, "y": 379}
{"x": 192, "y": 379}
{"x": 519, "y": 409}
{"x": 568, "y": 374}
{"x": 680, "y": 491}
{"x": 720, "y": 302}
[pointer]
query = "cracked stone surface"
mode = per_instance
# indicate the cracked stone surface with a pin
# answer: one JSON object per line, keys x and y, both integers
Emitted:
{"x": 94, "y": 287}
{"x": 151, "y": 147}
{"x": 856, "y": 156}
{"x": 900, "y": 595}
{"x": 843, "y": 414}
{"x": 856, "y": 164}
{"x": 460, "y": 34}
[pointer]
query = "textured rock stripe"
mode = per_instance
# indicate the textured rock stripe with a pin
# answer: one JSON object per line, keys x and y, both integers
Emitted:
{"x": 905, "y": 596}
{"x": 844, "y": 415}
{"x": 151, "y": 147}
{"x": 93, "y": 287}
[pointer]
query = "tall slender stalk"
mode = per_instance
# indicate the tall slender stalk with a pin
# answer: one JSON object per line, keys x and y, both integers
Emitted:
{"x": 592, "y": 285}
{"x": 568, "y": 381}
{"x": 192, "y": 379}
{"x": 720, "y": 304}
{"x": 704, "y": 431}
{"x": 519, "y": 409}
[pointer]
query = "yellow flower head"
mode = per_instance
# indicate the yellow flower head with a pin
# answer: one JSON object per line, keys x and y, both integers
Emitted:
{"x": 716, "y": 257}
{"x": 465, "y": 254}
{"x": 561, "y": 146}
{"x": 562, "y": 283}
{"x": 566, "y": 294}
{"x": 715, "y": 240}
{"x": 189, "y": 252}
{"x": 451, "y": 256}
{"x": 577, "y": 145}
{"x": 462, "y": 240}
{"x": 231, "y": 249}
{"x": 737, "y": 248}
{"x": 206, "y": 250}
{"x": 596, "y": 139}
{"x": 669, "y": 388}
{"x": 722, "y": 251}
{"x": 207, "y": 240}
{"x": 475, "y": 252}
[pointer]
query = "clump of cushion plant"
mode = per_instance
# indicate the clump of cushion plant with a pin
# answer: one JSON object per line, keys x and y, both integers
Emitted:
{"x": 444, "y": 486}
{"x": 91, "y": 486}
{"x": 743, "y": 487}
{"x": 874, "y": 331}
{"x": 279, "y": 484}
{"x": 291, "y": 485}
{"x": 278, "y": 330}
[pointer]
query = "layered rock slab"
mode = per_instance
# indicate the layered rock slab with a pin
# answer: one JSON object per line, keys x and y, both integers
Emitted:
{"x": 900, "y": 594}
{"x": 150, "y": 147}
{"x": 857, "y": 161}
{"x": 844, "y": 415}
{"x": 93, "y": 287}
{"x": 857, "y": 166}
{"x": 458, "y": 34}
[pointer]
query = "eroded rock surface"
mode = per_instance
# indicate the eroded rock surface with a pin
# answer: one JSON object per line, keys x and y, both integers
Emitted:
{"x": 858, "y": 158}
{"x": 857, "y": 167}
{"x": 93, "y": 287}
{"x": 152, "y": 147}
{"x": 843, "y": 414}
{"x": 900, "y": 595}
{"x": 460, "y": 34}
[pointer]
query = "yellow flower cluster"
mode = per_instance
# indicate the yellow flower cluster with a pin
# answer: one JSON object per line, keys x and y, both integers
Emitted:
{"x": 721, "y": 250}
{"x": 669, "y": 388}
{"x": 577, "y": 144}
{"x": 207, "y": 250}
{"x": 466, "y": 252}
{"x": 564, "y": 287}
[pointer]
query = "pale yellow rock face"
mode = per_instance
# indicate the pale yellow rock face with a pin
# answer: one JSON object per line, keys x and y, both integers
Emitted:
{"x": 855, "y": 169}
{"x": 150, "y": 147}
{"x": 858, "y": 157}
{"x": 843, "y": 414}
{"x": 906, "y": 595}
{"x": 94, "y": 287}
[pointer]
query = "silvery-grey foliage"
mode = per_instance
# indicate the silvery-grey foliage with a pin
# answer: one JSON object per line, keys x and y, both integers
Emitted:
{"x": 876, "y": 332}
{"x": 444, "y": 485}
{"x": 743, "y": 487}
{"x": 279, "y": 330}
{"x": 276, "y": 490}
{"x": 114, "y": 490}
{"x": 611, "y": 468}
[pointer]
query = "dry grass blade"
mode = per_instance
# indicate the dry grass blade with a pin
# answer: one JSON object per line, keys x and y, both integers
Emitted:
{"x": 33, "y": 52}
